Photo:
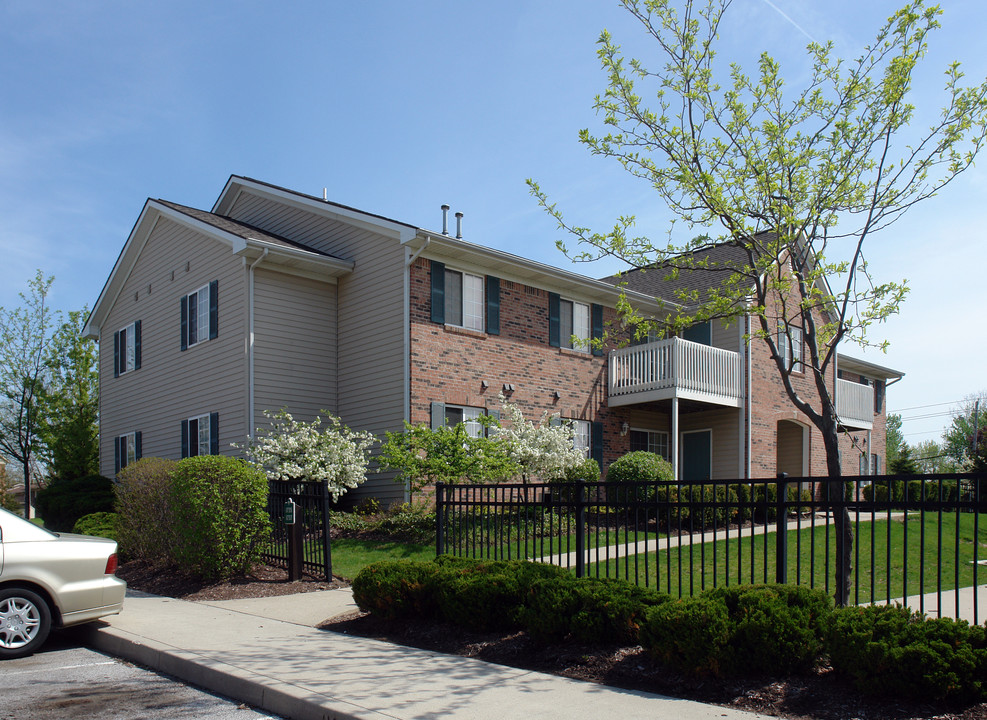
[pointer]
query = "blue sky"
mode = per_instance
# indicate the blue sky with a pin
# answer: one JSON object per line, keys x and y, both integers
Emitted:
{"x": 398, "y": 107}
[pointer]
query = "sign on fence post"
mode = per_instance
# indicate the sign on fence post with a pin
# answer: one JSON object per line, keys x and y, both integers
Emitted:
{"x": 294, "y": 540}
{"x": 781, "y": 531}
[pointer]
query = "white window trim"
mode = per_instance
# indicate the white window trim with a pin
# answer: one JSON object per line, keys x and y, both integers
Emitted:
{"x": 583, "y": 338}
{"x": 792, "y": 353}
{"x": 582, "y": 439}
{"x": 471, "y": 415}
{"x": 475, "y": 320}
{"x": 128, "y": 351}
{"x": 130, "y": 456}
{"x": 201, "y": 328}
{"x": 201, "y": 421}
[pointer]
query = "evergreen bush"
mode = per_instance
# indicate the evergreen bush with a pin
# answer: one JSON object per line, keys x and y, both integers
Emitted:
{"x": 63, "y": 502}
{"x": 100, "y": 524}
{"x": 395, "y": 590}
{"x": 893, "y": 651}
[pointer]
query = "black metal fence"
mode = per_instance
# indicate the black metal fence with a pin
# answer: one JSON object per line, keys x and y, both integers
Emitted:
{"x": 312, "y": 512}
{"x": 919, "y": 539}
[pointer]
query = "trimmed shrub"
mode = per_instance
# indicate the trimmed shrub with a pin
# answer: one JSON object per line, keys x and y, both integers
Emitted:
{"x": 689, "y": 634}
{"x": 220, "y": 515}
{"x": 63, "y": 502}
{"x": 640, "y": 466}
{"x": 395, "y": 590}
{"x": 101, "y": 524}
{"x": 748, "y": 628}
{"x": 586, "y": 471}
{"x": 489, "y": 595}
{"x": 143, "y": 502}
{"x": 408, "y": 523}
{"x": 890, "y": 650}
{"x": 589, "y": 610}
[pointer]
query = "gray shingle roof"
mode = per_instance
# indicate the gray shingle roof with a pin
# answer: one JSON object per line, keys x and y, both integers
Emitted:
{"x": 655, "y": 281}
{"x": 243, "y": 230}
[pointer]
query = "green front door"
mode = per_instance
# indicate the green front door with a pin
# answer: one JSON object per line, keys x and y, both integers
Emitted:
{"x": 697, "y": 461}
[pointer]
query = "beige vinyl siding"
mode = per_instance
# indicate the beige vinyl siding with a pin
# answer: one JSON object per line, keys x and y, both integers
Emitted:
{"x": 725, "y": 336}
{"x": 294, "y": 345}
{"x": 172, "y": 385}
{"x": 725, "y": 426}
{"x": 371, "y": 328}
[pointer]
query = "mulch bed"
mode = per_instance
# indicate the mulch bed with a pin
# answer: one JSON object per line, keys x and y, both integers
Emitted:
{"x": 819, "y": 696}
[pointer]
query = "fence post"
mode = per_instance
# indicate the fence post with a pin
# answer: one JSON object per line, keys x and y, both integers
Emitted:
{"x": 326, "y": 544}
{"x": 781, "y": 530}
{"x": 581, "y": 530}
{"x": 439, "y": 519}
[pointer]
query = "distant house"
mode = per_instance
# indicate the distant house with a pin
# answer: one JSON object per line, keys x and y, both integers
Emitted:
{"x": 274, "y": 298}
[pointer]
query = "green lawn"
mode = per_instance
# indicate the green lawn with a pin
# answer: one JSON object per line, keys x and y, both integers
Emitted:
{"x": 811, "y": 551}
{"x": 350, "y": 555}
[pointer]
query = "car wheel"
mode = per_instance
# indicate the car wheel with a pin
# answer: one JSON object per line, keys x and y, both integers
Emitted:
{"x": 25, "y": 621}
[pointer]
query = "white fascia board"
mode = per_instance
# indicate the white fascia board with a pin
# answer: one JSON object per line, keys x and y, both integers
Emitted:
{"x": 122, "y": 268}
{"x": 864, "y": 367}
{"x": 350, "y": 216}
{"x": 289, "y": 260}
{"x": 514, "y": 268}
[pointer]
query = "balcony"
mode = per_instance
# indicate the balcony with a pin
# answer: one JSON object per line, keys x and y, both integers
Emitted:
{"x": 674, "y": 368}
{"x": 855, "y": 404}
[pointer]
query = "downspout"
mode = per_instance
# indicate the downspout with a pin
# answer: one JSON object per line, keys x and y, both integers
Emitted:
{"x": 749, "y": 394}
{"x": 250, "y": 344}
{"x": 409, "y": 261}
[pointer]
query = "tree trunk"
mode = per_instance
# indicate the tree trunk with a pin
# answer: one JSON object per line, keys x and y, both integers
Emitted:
{"x": 27, "y": 491}
{"x": 835, "y": 496}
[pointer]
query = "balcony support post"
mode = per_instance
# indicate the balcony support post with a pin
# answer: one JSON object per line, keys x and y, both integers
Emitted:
{"x": 675, "y": 438}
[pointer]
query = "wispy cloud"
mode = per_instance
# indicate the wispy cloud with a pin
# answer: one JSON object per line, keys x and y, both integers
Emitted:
{"x": 788, "y": 19}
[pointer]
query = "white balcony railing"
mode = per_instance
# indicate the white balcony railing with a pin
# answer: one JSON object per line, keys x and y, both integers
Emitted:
{"x": 855, "y": 404}
{"x": 674, "y": 368}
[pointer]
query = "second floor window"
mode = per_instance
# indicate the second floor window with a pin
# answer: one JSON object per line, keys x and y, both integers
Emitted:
{"x": 464, "y": 301}
{"x": 791, "y": 352}
{"x": 574, "y": 325}
{"x": 127, "y": 349}
{"x": 200, "y": 315}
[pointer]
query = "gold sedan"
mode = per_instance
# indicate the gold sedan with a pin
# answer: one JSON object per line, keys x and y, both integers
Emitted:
{"x": 51, "y": 580}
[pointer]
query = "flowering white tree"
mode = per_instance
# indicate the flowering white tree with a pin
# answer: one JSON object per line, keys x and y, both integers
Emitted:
{"x": 295, "y": 450}
{"x": 545, "y": 450}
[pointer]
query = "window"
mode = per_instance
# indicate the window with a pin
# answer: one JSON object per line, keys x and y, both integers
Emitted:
{"x": 875, "y": 464}
{"x": 464, "y": 301}
{"x": 126, "y": 450}
{"x": 200, "y": 315}
{"x": 792, "y": 353}
{"x": 863, "y": 464}
{"x": 200, "y": 435}
{"x": 581, "y": 436}
{"x": 651, "y": 441}
{"x": 574, "y": 325}
{"x": 127, "y": 349}
{"x": 470, "y": 416}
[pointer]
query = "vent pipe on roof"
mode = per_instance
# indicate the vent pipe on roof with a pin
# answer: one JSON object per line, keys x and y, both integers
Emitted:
{"x": 445, "y": 219}
{"x": 325, "y": 194}
{"x": 459, "y": 226}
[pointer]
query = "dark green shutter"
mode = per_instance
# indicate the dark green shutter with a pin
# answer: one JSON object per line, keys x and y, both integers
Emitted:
{"x": 554, "y": 314}
{"x": 184, "y": 324}
{"x": 138, "y": 449}
{"x": 596, "y": 320}
{"x": 438, "y": 292}
{"x": 493, "y": 305}
{"x": 185, "y": 439}
{"x": 137, "y": 345}
{"x": 116, "y": 455}
{"x": 116, "y": 356}
{"x": 214, "y": 309}
{"x": 214, "y": 433}
{"x": 438, "y": 415}
{"x": 596, "y": 443}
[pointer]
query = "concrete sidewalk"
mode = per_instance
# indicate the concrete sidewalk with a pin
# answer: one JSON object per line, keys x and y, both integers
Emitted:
{"x": 267, "y": 653}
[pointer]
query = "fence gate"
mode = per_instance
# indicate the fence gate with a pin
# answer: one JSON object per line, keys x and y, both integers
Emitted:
{"x": 312, "y": 499}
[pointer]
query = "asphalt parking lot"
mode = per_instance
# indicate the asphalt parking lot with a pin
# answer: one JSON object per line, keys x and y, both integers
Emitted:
{"x": 68, "y": 680}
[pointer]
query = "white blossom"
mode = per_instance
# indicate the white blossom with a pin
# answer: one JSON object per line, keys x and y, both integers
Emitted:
{"x": 546, "y": 450}
{"x": 295, "y": 450}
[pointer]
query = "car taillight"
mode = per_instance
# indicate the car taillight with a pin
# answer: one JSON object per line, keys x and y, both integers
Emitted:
{"x": 111, "y": 565}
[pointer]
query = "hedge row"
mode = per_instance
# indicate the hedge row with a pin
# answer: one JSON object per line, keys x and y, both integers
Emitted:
{"x": 769, "y": 629}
